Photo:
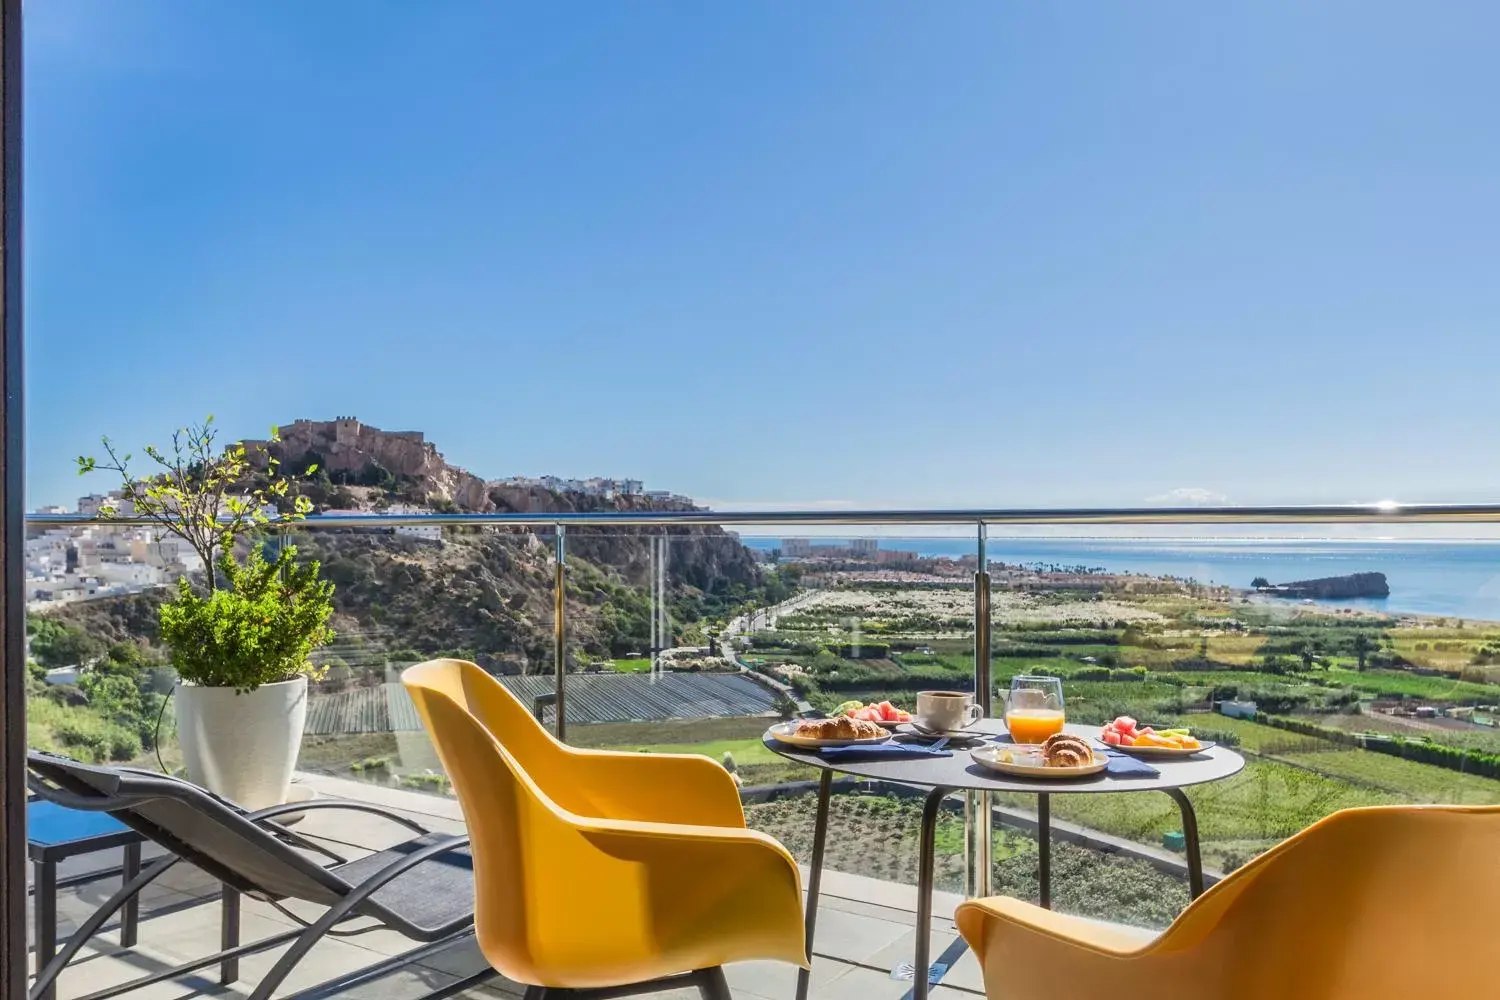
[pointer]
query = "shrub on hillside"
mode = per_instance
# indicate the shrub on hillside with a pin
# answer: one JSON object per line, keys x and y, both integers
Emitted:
{"x": 80, "y": 732}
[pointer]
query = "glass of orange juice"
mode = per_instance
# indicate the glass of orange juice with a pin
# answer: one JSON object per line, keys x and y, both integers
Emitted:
{"x": 1034, "y": 710}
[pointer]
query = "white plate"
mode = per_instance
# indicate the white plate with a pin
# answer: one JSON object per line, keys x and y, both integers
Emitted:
{"x": 1159, "y": 753}
{"x": 993, "y": 757}
{"x": 786, "y": 732}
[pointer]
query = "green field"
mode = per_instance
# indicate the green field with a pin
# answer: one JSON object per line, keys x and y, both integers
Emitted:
{"x": 1396, "y": 682}
{"x": 674, "y": 732}
{"x": 710, "y": 737}
{"x": 637, "y": 665}
{"x": 1254, "y": 736}
{"x": 743, "y": 751}
{"x": 1409, "y": 780}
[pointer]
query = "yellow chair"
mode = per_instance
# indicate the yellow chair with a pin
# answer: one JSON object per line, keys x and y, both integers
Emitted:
{"x": 1386, "y": 901}
{"x": 603, "y": 870}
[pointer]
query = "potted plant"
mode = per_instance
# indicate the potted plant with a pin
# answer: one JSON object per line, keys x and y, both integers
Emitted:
{"x": 241, "y": 643}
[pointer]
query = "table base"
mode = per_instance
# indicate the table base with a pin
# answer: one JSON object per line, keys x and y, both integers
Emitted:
{"x": 926, "y": 863}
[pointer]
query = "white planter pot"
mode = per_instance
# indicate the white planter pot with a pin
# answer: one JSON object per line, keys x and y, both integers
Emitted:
{"x": 242, "y": 746}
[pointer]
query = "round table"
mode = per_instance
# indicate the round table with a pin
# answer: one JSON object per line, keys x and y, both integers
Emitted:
{"x": 960, "y": 773}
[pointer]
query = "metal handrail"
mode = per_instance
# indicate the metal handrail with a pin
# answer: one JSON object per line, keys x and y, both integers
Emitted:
{"x": 1377, "y": 513}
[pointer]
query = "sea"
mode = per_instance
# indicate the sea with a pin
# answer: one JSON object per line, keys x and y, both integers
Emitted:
{"x": 1447, "y": 579}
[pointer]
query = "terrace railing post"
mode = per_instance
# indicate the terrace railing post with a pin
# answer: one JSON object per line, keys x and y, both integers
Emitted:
{"x": 982, "y": 825}
{"x": 12, "y": 528}
{"x": 560, "y": 629}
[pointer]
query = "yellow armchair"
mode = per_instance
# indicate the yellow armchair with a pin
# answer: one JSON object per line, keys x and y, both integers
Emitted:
{"x": 659, "y": 788}
{"x": 1387, "y": 901}
{"x": 590, "y": 869}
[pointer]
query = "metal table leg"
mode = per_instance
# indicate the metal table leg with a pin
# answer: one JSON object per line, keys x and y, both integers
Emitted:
{"x": 45, "y": 899}
{"x": 925, "y": 878}
{"x": 1190, "y": 837}
{"x": 1044, "y": 848}
{"x": 131, "y": 917}
{"x": 815, "y": 876}
{"x": 229, "y": 933}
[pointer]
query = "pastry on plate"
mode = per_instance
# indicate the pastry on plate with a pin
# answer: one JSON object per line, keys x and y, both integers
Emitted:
{"x": 839, "y": 728}
{"x": 1065, "y": 750}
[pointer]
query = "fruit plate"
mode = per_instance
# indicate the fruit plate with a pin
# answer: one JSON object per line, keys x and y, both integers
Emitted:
{"x": 1159, "y": 753}
{"x": 786, "y": 732}
{"x": 1000, "y": 758}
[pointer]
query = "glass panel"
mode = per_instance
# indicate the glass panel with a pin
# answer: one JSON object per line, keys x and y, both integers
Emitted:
{"x": 409, "y": 594}
{"x": 868, "y": 616}
{"x": 652, "y": 617}
{"x": 1337, "y": 692}
{"x": 101, "y": 676}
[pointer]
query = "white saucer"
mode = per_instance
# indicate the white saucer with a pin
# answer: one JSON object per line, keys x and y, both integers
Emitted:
{"x": 912, "y": 729}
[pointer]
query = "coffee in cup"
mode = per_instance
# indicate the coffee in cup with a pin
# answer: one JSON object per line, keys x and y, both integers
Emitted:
{"x": 945, "y": 711}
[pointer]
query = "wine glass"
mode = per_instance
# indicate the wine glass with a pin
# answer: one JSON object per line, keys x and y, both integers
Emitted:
{"x": 1034, "y": 710}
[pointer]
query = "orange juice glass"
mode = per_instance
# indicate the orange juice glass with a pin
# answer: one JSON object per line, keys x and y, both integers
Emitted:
{"x": 1033, "y": 725}
{"x": 1034, "y": 710}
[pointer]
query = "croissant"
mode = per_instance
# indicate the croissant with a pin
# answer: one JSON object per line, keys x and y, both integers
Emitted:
{"x": 1065, "y": 750}
{"x": 840, "y": 728}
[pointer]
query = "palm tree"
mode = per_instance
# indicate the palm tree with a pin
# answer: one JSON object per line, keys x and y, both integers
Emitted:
{"x": 1363, "y": 646}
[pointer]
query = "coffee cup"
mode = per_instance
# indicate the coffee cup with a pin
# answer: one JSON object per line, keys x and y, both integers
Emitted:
{"x": 945, "y": 711}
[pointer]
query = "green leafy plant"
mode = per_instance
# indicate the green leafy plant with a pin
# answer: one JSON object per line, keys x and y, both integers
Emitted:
{"x": 204, "y": 496}
{"x": 260, "y": 629}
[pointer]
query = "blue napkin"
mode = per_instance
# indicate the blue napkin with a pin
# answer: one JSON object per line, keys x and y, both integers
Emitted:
{"x": 882, "y": 751}
{"x": 1122, "y": 765}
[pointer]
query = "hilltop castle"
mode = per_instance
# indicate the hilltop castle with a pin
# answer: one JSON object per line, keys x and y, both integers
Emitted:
{"x": 346, "y": 445}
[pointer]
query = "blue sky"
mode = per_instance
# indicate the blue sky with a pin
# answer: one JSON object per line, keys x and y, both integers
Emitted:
{"x": 838, "y": 253}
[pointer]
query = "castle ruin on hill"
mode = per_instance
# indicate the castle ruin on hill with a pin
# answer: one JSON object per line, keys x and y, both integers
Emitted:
{"x": 346, "y": 445}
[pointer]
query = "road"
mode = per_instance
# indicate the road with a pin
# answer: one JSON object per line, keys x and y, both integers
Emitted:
{"x": 744, "y": 625}
{"x": 766, "y": 618}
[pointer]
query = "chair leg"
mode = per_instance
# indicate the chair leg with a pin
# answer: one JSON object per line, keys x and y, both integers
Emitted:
{"x": 712, "y": 984}
{"x": 229, "y": 933}
{"x": 130, "y": 919}
{"x": 46, "y": 976}
{"x": 44, "y": 895}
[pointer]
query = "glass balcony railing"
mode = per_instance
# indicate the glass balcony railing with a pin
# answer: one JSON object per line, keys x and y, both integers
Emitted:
{"x": 1347, "y": 669}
